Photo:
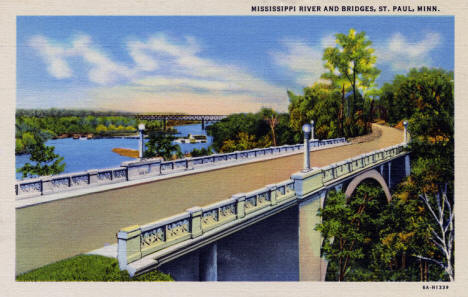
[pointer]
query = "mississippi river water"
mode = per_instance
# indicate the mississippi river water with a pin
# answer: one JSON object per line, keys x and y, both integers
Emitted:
{"x": 82, "y": 155}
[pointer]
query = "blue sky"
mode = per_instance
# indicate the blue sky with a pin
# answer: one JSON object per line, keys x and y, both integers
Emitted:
{"x": 212, "y": 64}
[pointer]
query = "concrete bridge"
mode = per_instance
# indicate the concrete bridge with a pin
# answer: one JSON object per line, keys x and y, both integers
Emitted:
{"x": 196, "y": 231}
{"x": 181, "y": 117}
{"x": 55, "y": 225}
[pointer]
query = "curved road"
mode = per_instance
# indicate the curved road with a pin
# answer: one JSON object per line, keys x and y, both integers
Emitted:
{"x": 48, "y": 232}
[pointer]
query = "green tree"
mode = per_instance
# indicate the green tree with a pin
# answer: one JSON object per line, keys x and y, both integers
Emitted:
{"x": 320, "y": 103}
{"x": 201, "y": 152}
{"x": 46, "y": 162}
{"x": 341, "y": 244}
{"x": 354, "y": 60}
{"x": 238, "y": 131}
{"x": 161, "y": 145}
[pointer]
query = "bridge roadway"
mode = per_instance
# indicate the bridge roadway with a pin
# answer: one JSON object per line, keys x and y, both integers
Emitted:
{"x": 52, "y": 231}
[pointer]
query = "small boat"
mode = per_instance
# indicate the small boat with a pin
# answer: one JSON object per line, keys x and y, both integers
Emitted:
{"x": 192, "y": 139}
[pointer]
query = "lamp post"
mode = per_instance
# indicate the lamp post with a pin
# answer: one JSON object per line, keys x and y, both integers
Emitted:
{"x": 141, "y": 145}
{"x": 405, "y": 124}
{"x": 312, "y": 123}
{"x": 306, "y": 128}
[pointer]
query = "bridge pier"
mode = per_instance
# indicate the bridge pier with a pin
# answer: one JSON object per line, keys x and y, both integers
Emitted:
{"x": 312, "y": 267}
{"x": 209, "y": 263}
{"x": 407, "y": 165}
{"x": 203, "y": 123}
{"x": 389, "y": 183}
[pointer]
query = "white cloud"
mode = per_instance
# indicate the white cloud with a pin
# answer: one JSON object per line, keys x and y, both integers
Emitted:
{"x": 102, "y": 69}
{"x": 328, "y": 41}
{"x": 402, "y": 54}
{"x": 163, "y": 68}
{"x": 54, "y": 57}
{"x": 303, "y": 59}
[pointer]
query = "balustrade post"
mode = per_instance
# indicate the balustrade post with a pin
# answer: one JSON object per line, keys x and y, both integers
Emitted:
{"x": 129, "y": 247}
{"x": 240, "y": 204}
{"x": 46, "y": 185}
{"x": 189, "y": 164}
{"x": 195, "y": 221}
{"x": 272, "y": 189}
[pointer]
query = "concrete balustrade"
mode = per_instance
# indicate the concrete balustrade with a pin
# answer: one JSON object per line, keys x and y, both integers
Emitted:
{"x": 133, "y": 170}
{"x": 196, "y": 222}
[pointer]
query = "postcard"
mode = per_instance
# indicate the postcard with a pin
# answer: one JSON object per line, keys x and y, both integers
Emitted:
{"x": 265, "y": 148}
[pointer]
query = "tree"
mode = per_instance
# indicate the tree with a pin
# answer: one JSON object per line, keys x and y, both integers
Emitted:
{"x": 251, "y": 130}
{"x": 161, "y": 145}
{"x": 341, "y": 83}
{"x": 46, "y": 161}
{"x": 320, "y": 103}
{"x": 271, "y": 117}
{"x": 443, "y": 235}
{"x": 352, "y": 61}
{"x": 342, "y": 239}
{"x": 201, "y": 152}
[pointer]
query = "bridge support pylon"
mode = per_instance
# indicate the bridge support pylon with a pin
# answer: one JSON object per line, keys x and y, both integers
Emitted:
{"x": 209, "y": 263}
{"x": 311, "y": 266}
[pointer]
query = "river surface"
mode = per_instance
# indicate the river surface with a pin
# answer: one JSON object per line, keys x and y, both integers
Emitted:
{"x": 82, "y": 155}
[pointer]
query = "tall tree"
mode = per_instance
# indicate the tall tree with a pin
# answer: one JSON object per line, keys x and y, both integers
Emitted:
{"x": 352, "y": 60}
{"x": 442, "y": 214}
{"x": 271, "y": 117}
{"x": 348, "y": 228}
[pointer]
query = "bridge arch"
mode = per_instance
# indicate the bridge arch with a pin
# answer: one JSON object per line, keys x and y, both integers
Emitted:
{"x": 371, "y": 174}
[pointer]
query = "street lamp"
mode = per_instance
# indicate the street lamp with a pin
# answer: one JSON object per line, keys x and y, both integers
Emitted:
{"x": 312, "y": 123}
{"x": 405, "y": 124}
{"x": 141, "y": 128}
{"x": 306, "y": 128}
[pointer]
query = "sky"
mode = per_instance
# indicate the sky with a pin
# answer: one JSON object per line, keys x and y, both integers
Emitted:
{"x": 204, "y": 64}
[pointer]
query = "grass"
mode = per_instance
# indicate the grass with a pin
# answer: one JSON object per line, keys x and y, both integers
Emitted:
{"x": 88, "y": 268}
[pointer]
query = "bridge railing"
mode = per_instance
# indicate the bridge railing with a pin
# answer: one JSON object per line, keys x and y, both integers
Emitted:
{"x": 133, "y": 170}
{"x": 136, "y": 241}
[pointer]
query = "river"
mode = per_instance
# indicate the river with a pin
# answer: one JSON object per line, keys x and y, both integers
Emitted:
{"x": 81, "y": 155}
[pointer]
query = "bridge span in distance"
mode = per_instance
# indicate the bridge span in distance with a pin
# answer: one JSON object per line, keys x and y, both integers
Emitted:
{"x": 181, "y": 117}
